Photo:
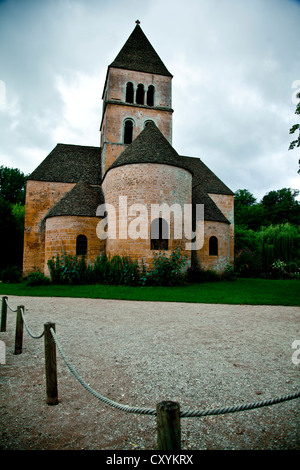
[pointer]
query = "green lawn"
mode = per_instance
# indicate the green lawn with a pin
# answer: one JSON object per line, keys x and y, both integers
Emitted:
{"x": 241, "y": 291}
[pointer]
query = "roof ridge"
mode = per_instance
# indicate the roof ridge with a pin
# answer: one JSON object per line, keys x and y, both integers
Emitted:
{"x": 82, "y": 199}
{"x": 138, "y": 54}
{"x": 150, "y": 146}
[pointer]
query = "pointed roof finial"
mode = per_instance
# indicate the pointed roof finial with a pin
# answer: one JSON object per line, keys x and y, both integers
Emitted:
{"x": 138, "y": 22}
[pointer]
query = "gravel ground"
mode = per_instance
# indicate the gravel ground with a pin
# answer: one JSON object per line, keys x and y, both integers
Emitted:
{"x": 140, "y": 353}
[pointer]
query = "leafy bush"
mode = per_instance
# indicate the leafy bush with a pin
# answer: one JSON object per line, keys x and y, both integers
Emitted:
{"x": 279, "y": 242}
{"x": 196, "y": 274}
{"x": 11, "y": 274}
{"x": 167, "y": 271}
{"x": 36, "y": 278}
{"x": 67, "y": 269}
{"x": 247, "y": 263}
{"x": 229, "y": 273}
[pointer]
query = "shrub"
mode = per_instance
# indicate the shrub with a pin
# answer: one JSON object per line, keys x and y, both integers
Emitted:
{"x": 247, "y": 263}
{"x": 11, "y": 274}
{"x": 196, "y": 274}
{"x": 36, "y": 278}
{"x": 67, "y": 269}
{"x": 167, "y": 271}
{"x": 229, "y": 273}
{"x": 279, "y": 242}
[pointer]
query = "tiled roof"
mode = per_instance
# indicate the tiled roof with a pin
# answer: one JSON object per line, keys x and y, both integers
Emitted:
{"x": 211, "y": 210}
{"x": 81, "y": 200}
{"x": 70, "y": 164}
{"x": 204, "y": 176}
{"x": 138, "y": 54}
{"x": 150, "y": 146}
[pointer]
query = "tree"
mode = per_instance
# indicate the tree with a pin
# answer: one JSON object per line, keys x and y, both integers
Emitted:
{"x": 12, "y": 212}
{"x": 11, "y": 236}
{"x": 12, "y": 185}
{"x": 281, "y": 206}
{"x": 294, "y": 128}
{"x": 247, "y": 212}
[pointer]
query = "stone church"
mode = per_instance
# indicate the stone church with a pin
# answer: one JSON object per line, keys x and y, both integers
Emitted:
{"x": 89, "y": 201}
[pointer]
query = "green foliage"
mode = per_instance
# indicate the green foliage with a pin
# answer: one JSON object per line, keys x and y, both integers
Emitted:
{"x": 281, "y": 207}
{"x": 12, "y": 185}
{"x": 11, "y": 274}
{"x": 36, "y": 278}
{"x": 247, "y": 263}
{"x": 296, "y": 128}
{"x": 67, "y": 269}
{"x": 116, "y": 270}
{"x": 196, "y": 274}
{"x": 168, "y": 271}
{"x": 276, "y": 207}
{"x": 245, "y": 238}
{"x": 279, "y": 242}
{"x": 11, "y": 234}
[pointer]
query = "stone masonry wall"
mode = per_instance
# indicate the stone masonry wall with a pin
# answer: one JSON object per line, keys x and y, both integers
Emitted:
{"x": 226, "y": 204}
{"x": 143, "y": 184}
{"x": 40, "y": 197}
{"x": 221, "y": 231}
{"x": 61, "y": 233}
{"x": 116, "y": 110}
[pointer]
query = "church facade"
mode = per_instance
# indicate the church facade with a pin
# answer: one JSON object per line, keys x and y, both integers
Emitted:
{"x": 134, "y": 195}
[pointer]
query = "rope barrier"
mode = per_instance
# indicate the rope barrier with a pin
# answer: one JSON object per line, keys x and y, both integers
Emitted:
{"x": 27, "y": 328}
{"x": 186, "y": 414}
{"x": 14, "y": 311}
{"x": 112, "y": 403}
{"x": 151, "y": 411}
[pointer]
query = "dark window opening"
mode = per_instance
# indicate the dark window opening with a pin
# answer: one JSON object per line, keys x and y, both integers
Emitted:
{"x": 213, "y": 246}
{"x": 140, "y": 94}
{"x": 148, "y": 122}
{"x": 150, "y": 96}
{"x": 159, "y": 234}
{"x": 129, "y": 93}
{"x": 128, "y": 131}
{"x": 81, "y": 245}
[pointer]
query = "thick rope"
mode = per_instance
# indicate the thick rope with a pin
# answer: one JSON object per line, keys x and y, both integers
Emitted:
{"x": 186, "y": 414}
{"x": 114, "y": 404}
{"x": 244, "y": 407}
{"x": 9, "y": 306}
{"x": 27, "y": 328}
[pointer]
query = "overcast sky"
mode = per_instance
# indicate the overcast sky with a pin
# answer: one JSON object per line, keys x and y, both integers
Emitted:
{"x": 236, "y": 67}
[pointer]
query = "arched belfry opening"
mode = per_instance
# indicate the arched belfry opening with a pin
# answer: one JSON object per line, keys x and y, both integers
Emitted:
{"x": 150, "y": 96}
{"x": 129, "y": 93}
{"x": 128, "y": 131}
{"x": 140, "y": 94}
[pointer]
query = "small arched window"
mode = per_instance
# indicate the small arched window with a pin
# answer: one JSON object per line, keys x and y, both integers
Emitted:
{"x": 81, "y": 245}
{"x": 128, "y": 131}
{"x": 148, "y": 122}
{"x": 159, "y": 234}
{"x": 213, "y": 246}
{"x": 140, "y": 94}
{"x": 129, "y": 93}
{"x": 150, "y": 95}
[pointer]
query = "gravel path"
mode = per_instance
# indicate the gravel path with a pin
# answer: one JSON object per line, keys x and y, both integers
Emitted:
{"x": 140, "y": 353}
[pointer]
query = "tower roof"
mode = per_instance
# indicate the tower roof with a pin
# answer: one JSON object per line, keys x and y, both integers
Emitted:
{"x": 150, "y": 146}
{"x": 138, "y": 54}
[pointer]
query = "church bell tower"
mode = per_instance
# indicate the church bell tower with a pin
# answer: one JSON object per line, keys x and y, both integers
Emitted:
{"x": 137, "y": 91}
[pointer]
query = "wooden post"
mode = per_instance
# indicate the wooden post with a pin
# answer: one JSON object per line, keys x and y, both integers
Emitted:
{"x": 3, "y": 313}
{"x": 50, "y": 365}
{"x": 168, "y": 426}
{"x": 19, "y": 331}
